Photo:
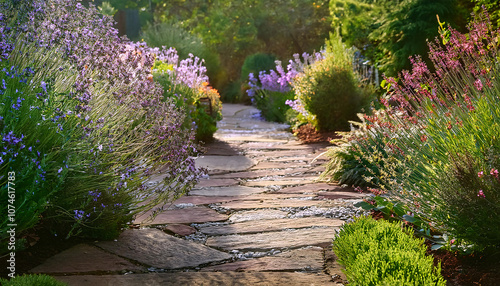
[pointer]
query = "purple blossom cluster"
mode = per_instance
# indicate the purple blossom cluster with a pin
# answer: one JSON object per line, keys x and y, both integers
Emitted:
{"x": 278, "y": 80}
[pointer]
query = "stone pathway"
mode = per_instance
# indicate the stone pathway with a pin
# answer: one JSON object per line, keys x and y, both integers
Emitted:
{"x": 258, "y": 218}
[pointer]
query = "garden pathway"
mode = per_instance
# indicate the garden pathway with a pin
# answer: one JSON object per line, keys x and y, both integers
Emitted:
{"x": 258, "y": 218}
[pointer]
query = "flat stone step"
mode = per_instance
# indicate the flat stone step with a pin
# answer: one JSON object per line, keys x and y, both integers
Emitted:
{"x": 270, "y": 204}
{"x": 226, "y": 163}
{"x": 207, "y": 183}
{"x": 186, "y": 216}
{"x": 84, "y": 258}
{"x": 203, "y": 279}
{"x": 264, "y": 214}
{"x": 155, "y": 248}
{"x": 203, "y": 200}
{"x": 227, "y": 191}
{"x": 274, "y": 240}
{"x": 257, "y": 226}
{"x": 283, "y": 182}
{"x": 306, "y": 259}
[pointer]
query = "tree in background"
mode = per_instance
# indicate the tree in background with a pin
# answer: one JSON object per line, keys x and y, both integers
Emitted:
{"x": 237, "y": 29}
{"x": 390, "y": 31}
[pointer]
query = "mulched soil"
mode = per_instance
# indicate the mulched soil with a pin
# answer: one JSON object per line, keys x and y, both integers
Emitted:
{"x": 473, "y": 269}
{"x": 307, "y": 134}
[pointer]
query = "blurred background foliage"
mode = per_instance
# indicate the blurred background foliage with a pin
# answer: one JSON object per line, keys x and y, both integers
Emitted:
{"x": 226, "y": 32}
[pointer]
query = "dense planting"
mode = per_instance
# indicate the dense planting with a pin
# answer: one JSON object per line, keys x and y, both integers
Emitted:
{"x": 84, "y": 125}
{"x": 322, "y": 90}
{"x": 435, "y": 149}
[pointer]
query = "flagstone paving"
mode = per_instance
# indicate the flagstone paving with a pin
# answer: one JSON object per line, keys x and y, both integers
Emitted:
{"x": 258, "y": 218}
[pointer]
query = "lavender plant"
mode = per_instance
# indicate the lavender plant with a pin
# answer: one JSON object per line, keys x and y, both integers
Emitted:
{"x": 272, "y": 91}
{"x": 436, "y": 151}
{"x": 80, "y": 106}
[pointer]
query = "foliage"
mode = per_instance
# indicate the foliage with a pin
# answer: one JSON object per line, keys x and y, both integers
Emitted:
{"x": 389, "y": 34}
{"x": 272, "y": 104}
{"x": 32, "y": 280}
{"x": 186, "y": 83}
{"x": 237, "y": 29}
{"x": 493, "y": 10}
{"x": 384, "y": 253}
{"x": 329, "y": 90}
{"x": 272, "y": 91}
{"x": 185, "y": 43}
{"x": 85, "y": 128}
{"x": 256, "y": 63}
{"x": 346, "y": 165}
{"x": 440, "y": 138}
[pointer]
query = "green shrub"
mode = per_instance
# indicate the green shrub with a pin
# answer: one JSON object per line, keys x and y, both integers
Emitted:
{"x": 384, "y": 253}
{"x": 330, "y": 91}
{"x": 32, "y": 280}
{"x": 272, "y": 104}
{"x": 256, "y": 63}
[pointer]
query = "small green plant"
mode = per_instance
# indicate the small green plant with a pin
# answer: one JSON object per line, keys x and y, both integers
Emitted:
{"x": 384, "y": 253}
{"x": 32, "y": 280}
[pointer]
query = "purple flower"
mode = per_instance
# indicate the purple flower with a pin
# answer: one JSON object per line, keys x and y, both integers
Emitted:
{"x": 44, "y": 86}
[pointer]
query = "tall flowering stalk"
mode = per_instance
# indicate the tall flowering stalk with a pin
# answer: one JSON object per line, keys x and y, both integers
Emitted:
{"x": 438, "y": 136}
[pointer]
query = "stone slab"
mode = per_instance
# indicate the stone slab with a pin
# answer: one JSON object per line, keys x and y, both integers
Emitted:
{"x": 340, "y": 195}
{"x": 155, "y": 248}
{"x": 226, "y": 163}
{"x": 269, "y": 204}
{"x": 275, "y": 153}
{"x": 202, "y": 279}
{"x": 264, "y": 214}
{"x": 277, "y": 165}
{"x": 310, "y": 188}
{"x": 306, "y": 259}
{"x": 184, "y": 216}
{"x": 274, "y": 240}
{"x": 180, "y": 229}
{"x": 259, "y": 173}
{"x": 227, "y": 191}
{"x": 221, "y": 148}
{"x": 84, "y": 258}
{"x": 207, "y": 183}
{"x": 273, "y": 196}
{"x": 203, "y": 200}
{"x": 270, "y": 225}
{"x": 285, "y": 182}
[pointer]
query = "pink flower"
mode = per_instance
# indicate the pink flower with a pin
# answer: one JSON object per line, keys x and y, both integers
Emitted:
{"x": 452, "y": 241}
{"x": 480, "y": 174}
{"x": 494, "y": 172}
{"x": 481, "y": 194}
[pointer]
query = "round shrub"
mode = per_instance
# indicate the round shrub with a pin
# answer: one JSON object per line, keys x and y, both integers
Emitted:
{"x": 256, "y": 63}
{"x": 330, "y": 94}
{"x": 329, "y": 90}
